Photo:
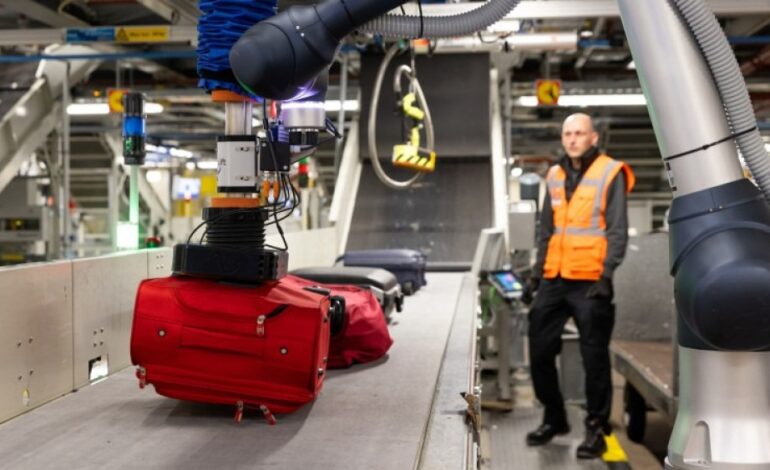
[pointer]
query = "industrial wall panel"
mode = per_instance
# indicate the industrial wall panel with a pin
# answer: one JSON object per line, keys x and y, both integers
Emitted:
{"x": 308, "y": 248}
{"x": 104, "y": 293}
{"x": 640, "y": 216}
{"x": 159, "y": 262}
{"x": 35, "y": 336}
{"x": 644, "y": 291}
{"x": 457, "y": 90}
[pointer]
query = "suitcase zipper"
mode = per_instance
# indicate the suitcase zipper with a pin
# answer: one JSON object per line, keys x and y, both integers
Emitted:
{"x": 261, "y": 325}
{"x": 262, "y": 318}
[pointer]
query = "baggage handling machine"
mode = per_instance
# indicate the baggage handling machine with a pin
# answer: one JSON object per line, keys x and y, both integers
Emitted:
{"x": 720, "y": 221}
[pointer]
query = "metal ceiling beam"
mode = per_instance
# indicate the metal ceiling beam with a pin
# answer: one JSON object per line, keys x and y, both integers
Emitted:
{"x": 45, "y": 15}
{"x": 586, "y": 53}
{"x": 46, "y": 36}
{"x": 564, "y": 9}
{"x": 173, "y": 11}
{"x": 746, "y": 26}
{"x": 520, "y": 88}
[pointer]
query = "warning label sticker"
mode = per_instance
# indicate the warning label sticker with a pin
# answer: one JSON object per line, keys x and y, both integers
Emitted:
{"x": 142, "y": 34}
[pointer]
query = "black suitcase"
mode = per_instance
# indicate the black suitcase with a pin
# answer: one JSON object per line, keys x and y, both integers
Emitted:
{"x": 383, "y": 284}
{"x": 407, "y": 265}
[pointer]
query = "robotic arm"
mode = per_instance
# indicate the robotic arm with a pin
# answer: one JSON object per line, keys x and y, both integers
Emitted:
{"x": 720, "y": 223}
{"x": 281, "y": 57}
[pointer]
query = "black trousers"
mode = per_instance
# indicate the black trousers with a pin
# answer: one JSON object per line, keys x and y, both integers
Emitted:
{"x": 557, "y": 300}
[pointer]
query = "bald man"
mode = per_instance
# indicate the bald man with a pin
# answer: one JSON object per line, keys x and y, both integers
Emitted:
{"x": 582, "y": 239}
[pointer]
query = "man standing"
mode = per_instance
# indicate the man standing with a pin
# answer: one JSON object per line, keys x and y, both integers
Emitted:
{"x": 582, "y": 239}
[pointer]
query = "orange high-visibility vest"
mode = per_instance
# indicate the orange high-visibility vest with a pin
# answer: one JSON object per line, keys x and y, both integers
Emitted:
{"x": 578, "y": 247}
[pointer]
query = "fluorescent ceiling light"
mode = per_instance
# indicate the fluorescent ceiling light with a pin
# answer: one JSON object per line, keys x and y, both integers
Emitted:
{"x": 332, "y": 106}
{"x": 207, "y": 165}
{"x": 88, "y": 109}
{"x": 329, "y": 106}
{"x": 154, "y": 176}
{"x": 128, "y": 235}
{"x": 153, "y": 108}
{"x": 631, "y": 66}
{"x": 505, "y": 26}
{"x": 190, "y": 165}
{"x": 95, "y": 109}
{"x": 175, "y": 152}
{"x": 520, "y": 41}
{"x": 588, "y": 100}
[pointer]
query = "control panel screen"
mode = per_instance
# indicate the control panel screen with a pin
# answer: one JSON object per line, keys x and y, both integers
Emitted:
{"x": 507, "y": 281}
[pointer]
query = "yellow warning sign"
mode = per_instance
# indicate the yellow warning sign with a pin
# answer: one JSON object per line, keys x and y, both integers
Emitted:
{"x": 548, "y": 91}
{"x": 115, "y": 99}
{"x": 142, "y": 34}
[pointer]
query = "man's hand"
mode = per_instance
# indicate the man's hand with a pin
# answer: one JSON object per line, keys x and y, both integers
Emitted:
{"x": 529, "y": 290}
{"x": 600, "y": 289}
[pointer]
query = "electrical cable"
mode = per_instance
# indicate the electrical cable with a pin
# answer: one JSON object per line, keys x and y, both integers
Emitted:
{"x": 198, "y": 227}
{"x": 704, "y": 147}
{"x": 435, "y": 27}
{"x": 484, "y": 41}
{"x": 422, "y": 19}
{"x": 284, "y": 187}
{"x": 372, "y": 126}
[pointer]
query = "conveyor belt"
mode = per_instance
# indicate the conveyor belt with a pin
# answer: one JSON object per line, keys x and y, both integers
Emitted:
{"x": 15, "y": 80}
{"x": 441, "y": 216}
{"x": 373, "y": 416}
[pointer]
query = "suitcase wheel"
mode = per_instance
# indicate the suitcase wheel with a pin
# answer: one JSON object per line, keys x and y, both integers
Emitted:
{"x": 141, "y": 374}
{"x": 239, "y": 413}
{"x": 337, "y": 315}
{"x": 268, "y": 415}
{"x": 408, "y": 288}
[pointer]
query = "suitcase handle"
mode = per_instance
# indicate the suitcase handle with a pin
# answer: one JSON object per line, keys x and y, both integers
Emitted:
{"x": 337, "y": 315}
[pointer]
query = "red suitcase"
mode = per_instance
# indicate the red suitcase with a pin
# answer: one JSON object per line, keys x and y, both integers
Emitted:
{"x": 260, "y": 346}
{"x": 364, "y": 335}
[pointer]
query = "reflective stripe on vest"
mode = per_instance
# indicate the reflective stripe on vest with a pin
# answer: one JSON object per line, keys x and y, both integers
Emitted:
{"x": 578, "y": 247}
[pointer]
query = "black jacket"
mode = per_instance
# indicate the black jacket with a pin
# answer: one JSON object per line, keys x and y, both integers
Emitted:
{"x": 615, "y": 215}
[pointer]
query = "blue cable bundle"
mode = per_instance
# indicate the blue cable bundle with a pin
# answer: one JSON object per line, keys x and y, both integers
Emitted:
{"x": 220, "y": 25}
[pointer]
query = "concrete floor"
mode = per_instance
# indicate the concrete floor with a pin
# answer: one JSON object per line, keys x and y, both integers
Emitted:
{"x": 503, "y": 446}
{"x": 648, "y": 455}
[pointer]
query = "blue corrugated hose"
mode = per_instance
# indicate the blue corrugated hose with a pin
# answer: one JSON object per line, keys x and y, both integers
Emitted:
{"x": 220, "y": 25}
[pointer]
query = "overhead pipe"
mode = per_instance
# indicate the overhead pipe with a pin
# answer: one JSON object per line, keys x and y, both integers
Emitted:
{"x": 5, "y": 59}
